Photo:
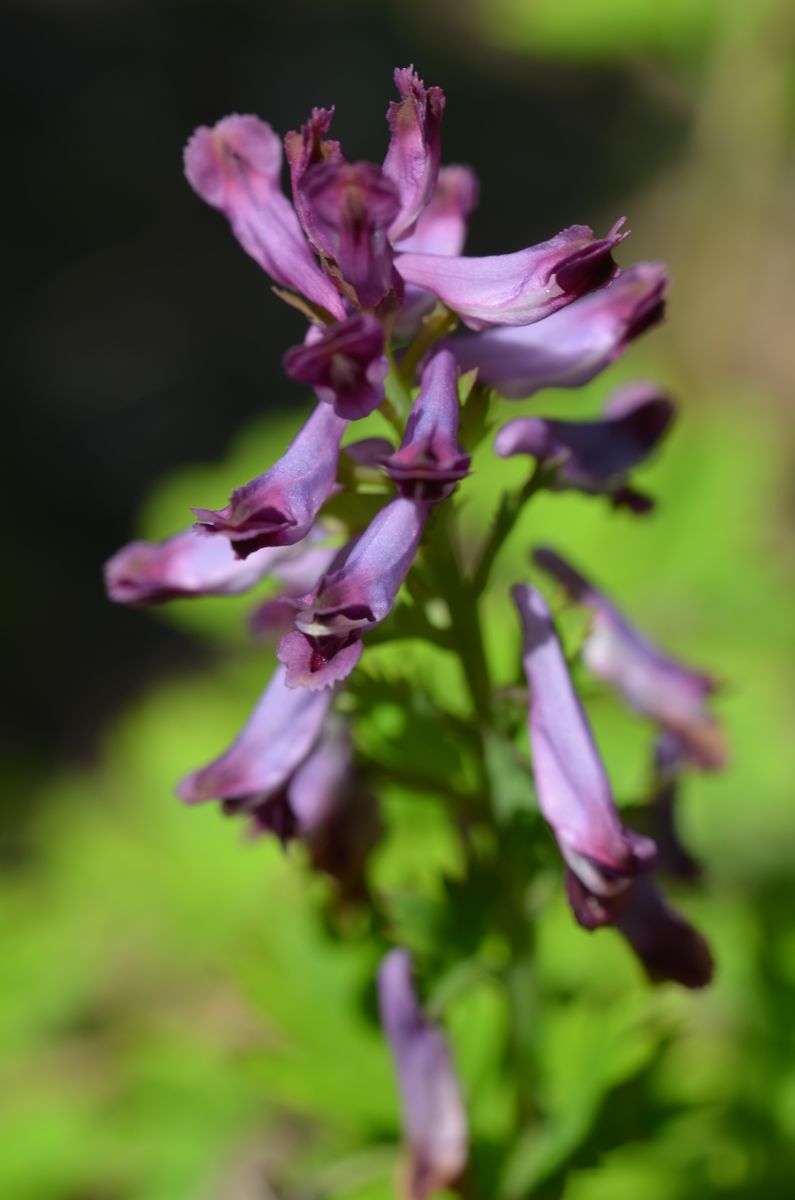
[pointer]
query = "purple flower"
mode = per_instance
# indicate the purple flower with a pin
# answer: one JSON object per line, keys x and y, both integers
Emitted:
{"x": 573, "y": 789}
{"x": 348, "y": 209}
{"x": 434, "y": 1118}
{"x": 184, "y": 565}
{"x": 280, "y": 733}
{"x": 325, "y": 645}
{"x": 345, "y": 364}
{"x": 596, "y": 456}
{"x": 572, "y": 346}
{"x": 649, "y": 680}
{"x": 235, "y": 167}
{"x": 667, "y": 945}
{"x": 412, "y": 160}
{"x": 516, "y": 289}
{"x": 430, "y": 462}
{"x": 305, "y": 150}
{"x": 279, "y": 507}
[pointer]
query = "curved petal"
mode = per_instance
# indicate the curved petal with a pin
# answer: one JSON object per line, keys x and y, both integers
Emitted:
{"x": 279, "y": 507}
{"x": 412, "y": 160}
{"x": 234, "y": 166}
{"x": 572, "y": 346}
{"x": 516, "y": 289}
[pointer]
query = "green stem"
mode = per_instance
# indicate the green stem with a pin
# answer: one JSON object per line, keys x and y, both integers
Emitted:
{"x": 435, "y": 326}
{"x": 511, "y": 506}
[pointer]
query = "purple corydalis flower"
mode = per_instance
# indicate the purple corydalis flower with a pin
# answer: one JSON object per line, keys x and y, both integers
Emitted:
{"x": 596, "y": 456}
{"x": 279, "y": 507}
{"x": 349, "y": 208}
{"x": 325, "y": 645}
{"x": 345, "y": 364}
{"x": 430, "y": 462}
{"x": 412, "y": 160}
{"x": 235, "y": 168}
{"x": 650, "y": 681}
{"x": 306, "y": 149}
{"x": 573, "y": 788}
{"x": 516, "y": 289}
{"x": 278, "y": 736}
{"x": 434, "y": 1118}
{"x": 572, "y": 346}
{"x": 185, "y": 565}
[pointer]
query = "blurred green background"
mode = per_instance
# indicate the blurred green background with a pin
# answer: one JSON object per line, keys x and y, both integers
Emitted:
{"x": 180, "y": 1013}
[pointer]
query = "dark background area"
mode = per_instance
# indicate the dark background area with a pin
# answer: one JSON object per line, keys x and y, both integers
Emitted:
{"x": 139, "y": 337}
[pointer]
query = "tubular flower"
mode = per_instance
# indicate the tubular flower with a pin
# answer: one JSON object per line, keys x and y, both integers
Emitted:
{"x": 572, "y": 346}
{"x": 517, "y": 289}
{"x": 281, "y": 731}
{"x": 605, "y": 880}
{"x": 430, "y": 461}
{"x": 596, "y": 456}
{"x": 279, "y": 507}
{"x": 184, "y": 565}
{"x": 434, "y": 1119}
{"x": 326, "y": 642}
{"x": 649, "y": 680}
{"x": 344, "y": 363}
{"x": 573, "y": 789}
{"x": 235, "y": 168}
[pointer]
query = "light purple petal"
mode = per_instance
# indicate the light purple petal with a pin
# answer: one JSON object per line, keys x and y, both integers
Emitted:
{"x": 430, "y": 462}
{"x": 594, "y": 456}
{"x": 345, "y": 364}
{"x": 278, "y": 736}
{"x": 573, "y": 789}
{"x": 516, "y": 289}
{"x": 279, "y": 507}
{"x": 349, "y": 207}
{"x": 235, "y": 167}
{"x": 650, "y": 681}
{"x": 572, "y": 346}
{"x": 434, "y": 1118}
{"x": 186, "y": 565}
{"x": 442, "y": 226}
{"x": 315, "y": 663}
{"x": 412, "y": 160}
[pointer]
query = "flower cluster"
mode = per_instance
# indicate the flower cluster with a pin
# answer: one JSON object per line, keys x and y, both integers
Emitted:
{"x": 371, "y": 255}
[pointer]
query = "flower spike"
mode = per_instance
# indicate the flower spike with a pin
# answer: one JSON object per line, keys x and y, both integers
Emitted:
{"x": 434, "y": 1118}
{"x": 279, "y": 507}
{"x": 235, "y": 167}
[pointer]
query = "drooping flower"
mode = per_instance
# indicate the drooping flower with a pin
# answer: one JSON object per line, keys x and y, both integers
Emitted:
{"x": 326, "y": 642}
{"x": 573, "y": 789}
{"x": 235, "y": 166}
{"x": 278, "y": 736}
{"x": 279, "y": 507}
{"x": 650, "y": 681}
{"x": 516, "y": 289}
{"x": 185, "y": 565}
{"x": 412, "y": 160}
{"x": 430, "y": 462}
{"x": 344, "y": 363}
{"x": 606, "y": 881}
{"x": 596, "y": 456}
{"x": 572, "y": 346}
{"x": 434, "y": 1118}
